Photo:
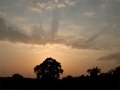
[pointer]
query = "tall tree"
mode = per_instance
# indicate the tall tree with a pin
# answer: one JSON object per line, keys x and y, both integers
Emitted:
{"x": 49, "y": 69}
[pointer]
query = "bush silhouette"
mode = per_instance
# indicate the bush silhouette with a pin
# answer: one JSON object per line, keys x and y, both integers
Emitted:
{"x": 49, "y": 69}
{"x": 94, "y": 71}
{"x": 17, "y": 76}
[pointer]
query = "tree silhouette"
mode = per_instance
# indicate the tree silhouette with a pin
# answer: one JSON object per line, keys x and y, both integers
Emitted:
{"x": 94, "y": 71}
{"x": 115, "y": 72}
{"x": 49, "y": 69}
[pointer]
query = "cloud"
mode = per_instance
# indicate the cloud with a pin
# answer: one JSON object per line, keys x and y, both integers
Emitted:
{"x": 54, "y": 6}
{"x": 2, "y": 12}
{"x": 105, "y": 39}
{"x": 117, "y": 0}
{"x": 55, "y": 23}
{"x": 89, "y": 13}
{"x": 9, "y": 34}
{"x": 111, "y": 57}
{"x": 19, "y": 19}
{"x": 51, "y": 4}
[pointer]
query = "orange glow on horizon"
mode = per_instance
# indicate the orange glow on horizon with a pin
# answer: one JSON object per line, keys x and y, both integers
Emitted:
{"x": 22, "y": 58}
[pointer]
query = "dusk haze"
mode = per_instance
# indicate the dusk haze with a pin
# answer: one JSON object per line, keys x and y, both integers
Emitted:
{"x": 78, "y": 34}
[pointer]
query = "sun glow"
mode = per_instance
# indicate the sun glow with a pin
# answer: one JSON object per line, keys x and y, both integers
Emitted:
{"x": 25, "y": 57}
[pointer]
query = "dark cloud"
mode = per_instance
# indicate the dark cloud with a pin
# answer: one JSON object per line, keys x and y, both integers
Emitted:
{"x": 38, "y": 36}
{"x": 107, "y": 39}
{"x": 9, "y": 34}
{"x": 55, "y": 22}
{"x": 111, "y": 57}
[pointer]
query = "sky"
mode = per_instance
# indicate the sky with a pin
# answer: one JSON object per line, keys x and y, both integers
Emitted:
{"x": 80, "y": 34}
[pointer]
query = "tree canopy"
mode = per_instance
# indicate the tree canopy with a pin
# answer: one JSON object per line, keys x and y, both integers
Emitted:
{"x": 49, "y": 69}
{"x": 94, "y": 71}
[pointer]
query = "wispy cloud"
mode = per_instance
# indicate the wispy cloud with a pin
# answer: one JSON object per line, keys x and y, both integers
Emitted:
{"x": 51, "y": 4}
{"x": 111, "y": 57}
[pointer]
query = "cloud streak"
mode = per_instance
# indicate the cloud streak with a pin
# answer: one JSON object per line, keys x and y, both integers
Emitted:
{"x": 9, "y": 34}
{"x": 55, "y": 22}
{"x": 97, "y": 41}
{"x": 111, "y": 57}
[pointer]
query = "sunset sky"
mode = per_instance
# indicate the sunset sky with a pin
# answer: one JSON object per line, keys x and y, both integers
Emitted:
{"x": 80, "y": 34}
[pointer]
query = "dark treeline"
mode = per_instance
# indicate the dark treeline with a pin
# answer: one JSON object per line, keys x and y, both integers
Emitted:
{"x": 48, "y": 74}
